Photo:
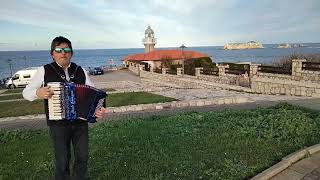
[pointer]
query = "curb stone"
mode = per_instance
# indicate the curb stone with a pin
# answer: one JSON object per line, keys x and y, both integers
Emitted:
{"x": 34, "y": 116}
{"x": 286, "y": 162}
{"x": 1, "y": 94}
{"x": 2, "y": 90}
{"x": 156, "y": 106}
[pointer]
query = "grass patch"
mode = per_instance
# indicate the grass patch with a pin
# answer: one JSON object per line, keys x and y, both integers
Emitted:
{"x": 20, "y": 108}
{"x": 132, "y": 98}
{"x": 108, "y": 89}
{"x": 231, "y": 144}
{"x": 11, "y": 96}
{"x": 33, "y": 151}
{"x": 10, "y": 91}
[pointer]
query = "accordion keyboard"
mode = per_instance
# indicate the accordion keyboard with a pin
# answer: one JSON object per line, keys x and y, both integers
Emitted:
{"x": 72, "y": 102}
{"x": 55, "y": 103}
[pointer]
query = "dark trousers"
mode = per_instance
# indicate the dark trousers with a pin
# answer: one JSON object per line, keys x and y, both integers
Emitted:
{"x": 62, "y": 137}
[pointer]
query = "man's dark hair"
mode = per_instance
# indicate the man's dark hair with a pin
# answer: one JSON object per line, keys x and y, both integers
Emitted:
{"x": 59, "y": 40}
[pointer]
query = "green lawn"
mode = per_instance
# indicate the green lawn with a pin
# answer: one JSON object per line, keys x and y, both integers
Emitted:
{"x": 108, "y": 89}
{"x": 231, "y": 144}
{"x": 11, "y": 96}
{"x": 9, "y": 91}
{"x": 20, "y": 108}
{"x": 131, "y": 98}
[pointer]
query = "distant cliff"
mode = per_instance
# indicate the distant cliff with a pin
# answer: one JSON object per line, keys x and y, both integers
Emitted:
{"x": 248, "y": 45}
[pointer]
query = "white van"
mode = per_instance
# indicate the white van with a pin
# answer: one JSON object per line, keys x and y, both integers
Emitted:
{"x": 21, "y": 78}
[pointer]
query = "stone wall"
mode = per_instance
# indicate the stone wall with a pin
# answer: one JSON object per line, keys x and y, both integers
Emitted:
{"x": 278, "y": 86}
{"x": 313, "y": 76}
{"x": 227, "y": 79}
{"x": 300, "y": 83}
{"x": 134, "y": 69}
{"x": 184, "y": 81}
{"x": 299, "y": 74}
{"x": 271, "y": 75}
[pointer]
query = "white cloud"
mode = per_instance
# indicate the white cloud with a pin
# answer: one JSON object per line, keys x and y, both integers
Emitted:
{"x": 121, "y": 24}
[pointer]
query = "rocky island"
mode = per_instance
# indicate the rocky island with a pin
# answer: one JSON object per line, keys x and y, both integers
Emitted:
{"x": 248, "y": 45}
{"x": 284, "y": 45}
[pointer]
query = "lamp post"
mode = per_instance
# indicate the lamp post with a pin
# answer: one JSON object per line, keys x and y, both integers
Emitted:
{"x": 182, "y": 47}
{"x": 25, "y": 60}
{"x": 9, "y": 62}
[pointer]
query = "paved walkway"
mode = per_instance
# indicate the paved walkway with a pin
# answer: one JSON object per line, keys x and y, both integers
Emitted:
{"x": 306, "y": 169}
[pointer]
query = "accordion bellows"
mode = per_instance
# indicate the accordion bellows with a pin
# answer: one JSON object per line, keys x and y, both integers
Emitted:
{"x": 74, "y": 101}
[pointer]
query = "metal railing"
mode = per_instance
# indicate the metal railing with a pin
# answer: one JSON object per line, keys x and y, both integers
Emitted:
{"x": 311, "y": 66}
{"x": 172, "y": 71}
{"x": 274, "y": 69}
{"x": 210, "y": 71}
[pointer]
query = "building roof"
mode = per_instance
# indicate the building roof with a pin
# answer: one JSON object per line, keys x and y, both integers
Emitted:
{"x": 157, "y": 55}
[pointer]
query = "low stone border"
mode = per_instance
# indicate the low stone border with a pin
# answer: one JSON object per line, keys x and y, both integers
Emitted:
{"x": 130, "y": 90}
{"x": 157, "y": 106}
{"x": 33, "y": 116}
{"x": 11, "y": 100}
{"x": 286, "y": 162}
{"x": 1, "y": 94}
{"x": 2, "y": 90}
{"x": 178, "y": 104}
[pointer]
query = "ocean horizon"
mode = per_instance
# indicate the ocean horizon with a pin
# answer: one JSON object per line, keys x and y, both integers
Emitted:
{"x": 101, "y": 57}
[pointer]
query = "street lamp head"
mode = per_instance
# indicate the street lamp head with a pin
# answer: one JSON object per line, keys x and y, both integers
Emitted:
{"x": 182, "y": 46}
{"x": 9, "y": 62}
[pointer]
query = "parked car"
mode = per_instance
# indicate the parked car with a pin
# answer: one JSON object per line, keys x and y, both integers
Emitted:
{"x": 96, "y": 71}
{"x": 21, "y": 78}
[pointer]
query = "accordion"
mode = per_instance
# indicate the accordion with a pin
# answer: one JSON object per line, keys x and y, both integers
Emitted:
{"x": 74, "y": 101}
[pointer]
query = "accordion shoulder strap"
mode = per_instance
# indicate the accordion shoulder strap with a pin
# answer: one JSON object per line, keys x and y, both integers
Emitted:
{"x": 63, "y": 76}
{"x": 74, "y": 73}
{"x": 58, "y": 73}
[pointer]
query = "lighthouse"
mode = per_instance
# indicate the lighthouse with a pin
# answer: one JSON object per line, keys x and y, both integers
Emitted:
{"x": 149, "y": 40}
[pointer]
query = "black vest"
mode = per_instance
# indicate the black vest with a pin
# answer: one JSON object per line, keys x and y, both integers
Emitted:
{"x": 54, "y": 73}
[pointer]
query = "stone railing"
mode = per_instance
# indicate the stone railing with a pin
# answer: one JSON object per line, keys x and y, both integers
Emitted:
{"x": 299, "y": 74}
{"x": 185, "y": 81}
{"x": 277, "y": 86}
{"x": 223, "y": 77}
{"x": 300, "y": 83}
{"x": 134, "y": 69}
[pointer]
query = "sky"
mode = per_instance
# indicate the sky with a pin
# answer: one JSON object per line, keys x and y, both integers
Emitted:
{"x": 110, "y": 24}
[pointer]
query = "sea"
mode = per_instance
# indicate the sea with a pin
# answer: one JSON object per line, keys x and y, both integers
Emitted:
{"x": 12, "y": 61}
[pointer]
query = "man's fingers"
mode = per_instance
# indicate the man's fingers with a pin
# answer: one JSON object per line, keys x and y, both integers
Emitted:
{"x": 46, "y": 88}
{"x": 100, "y": 113}
{"x": 51, "y": 92}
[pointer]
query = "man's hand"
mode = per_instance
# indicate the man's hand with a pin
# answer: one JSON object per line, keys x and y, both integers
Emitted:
{"x": 44, "y": 92}
{"x": 100, "y": 113}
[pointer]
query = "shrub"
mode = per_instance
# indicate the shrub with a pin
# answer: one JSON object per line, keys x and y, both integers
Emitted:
{"x": 286, "y": 61}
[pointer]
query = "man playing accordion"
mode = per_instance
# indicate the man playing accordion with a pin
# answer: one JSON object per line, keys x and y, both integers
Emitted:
{"x": 63, "y": 132}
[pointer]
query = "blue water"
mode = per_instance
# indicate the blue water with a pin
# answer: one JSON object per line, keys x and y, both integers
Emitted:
{"x": 100, "y": 57}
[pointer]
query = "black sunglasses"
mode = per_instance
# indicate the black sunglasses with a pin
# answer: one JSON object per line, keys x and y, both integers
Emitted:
{"x": 59, "y": 50}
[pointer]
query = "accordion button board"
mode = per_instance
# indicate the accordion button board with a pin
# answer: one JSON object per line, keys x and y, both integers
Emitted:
{"x": 72, "y": 101}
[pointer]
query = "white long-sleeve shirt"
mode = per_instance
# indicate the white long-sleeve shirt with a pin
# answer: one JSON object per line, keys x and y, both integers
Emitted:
{"x": 29, "y": 93}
